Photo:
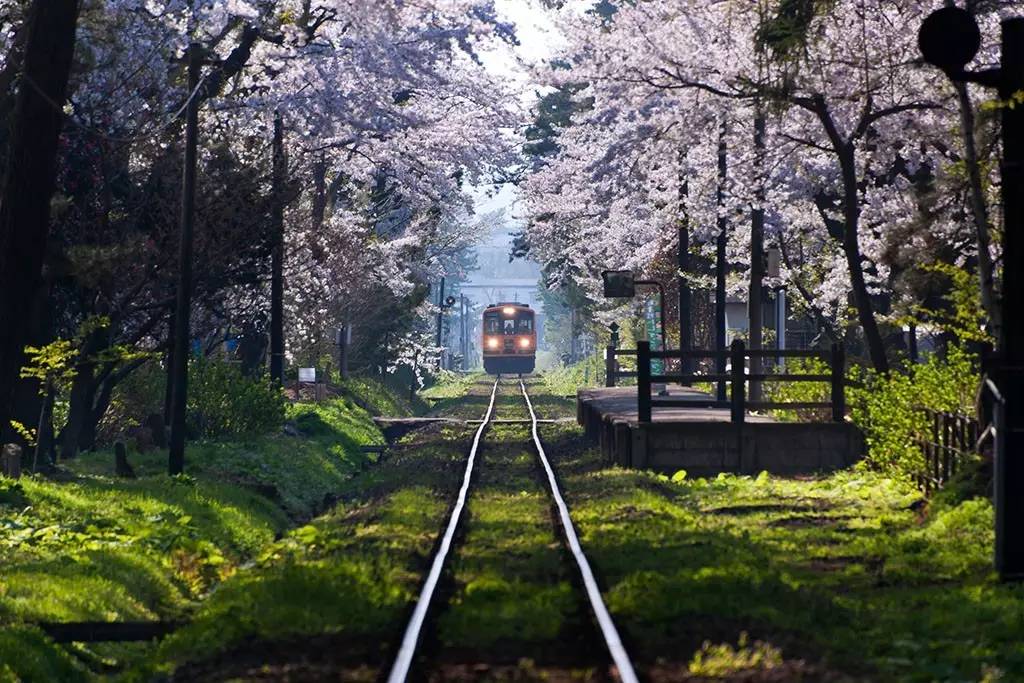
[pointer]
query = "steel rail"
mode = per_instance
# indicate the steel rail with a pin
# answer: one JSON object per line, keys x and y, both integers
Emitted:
{"x": 604, "y": 619}
{"x": 403, "y": 661}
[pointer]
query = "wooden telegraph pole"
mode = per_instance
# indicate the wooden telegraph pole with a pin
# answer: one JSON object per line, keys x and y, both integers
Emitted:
{"x": 683, "y": 255}
{"x": 277, "y": 257}
{"x": 755, "y": 308}
{"x": 720, "y": 265}
{"x": 440, "y": 322}
{"x": 183, "y": 303}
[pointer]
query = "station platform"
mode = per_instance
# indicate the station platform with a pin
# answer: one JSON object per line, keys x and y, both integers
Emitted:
{"x": 704, "y": 441}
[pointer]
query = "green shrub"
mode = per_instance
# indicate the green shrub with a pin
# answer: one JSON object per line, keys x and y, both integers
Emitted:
{"x": 224, "y": 402}
{"x": 888, "y": 408}
{"x": 801, "y": 392}
{"x": 138, "y": 395}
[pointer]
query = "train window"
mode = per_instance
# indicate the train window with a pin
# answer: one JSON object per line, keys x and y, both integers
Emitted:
{"x": 510, "y": 326}
{"x": 525, "y": 325}
{"x": 492, "y": 324}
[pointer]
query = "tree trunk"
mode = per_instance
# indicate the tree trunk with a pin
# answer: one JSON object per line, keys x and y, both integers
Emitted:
{"x": 44, "y": 432}
{"x": 83, "y": 393}
{"x": 854, "y": 261}
{"x": 986, "y": 274}
{"x": 29, "y": 179}
{"x": 79, "y": 405}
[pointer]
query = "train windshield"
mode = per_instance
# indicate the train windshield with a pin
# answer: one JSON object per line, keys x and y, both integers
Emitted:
{"x": 509, "y": 326}
{"x": 525, "y": 325}
{"x": 492, "y": 324}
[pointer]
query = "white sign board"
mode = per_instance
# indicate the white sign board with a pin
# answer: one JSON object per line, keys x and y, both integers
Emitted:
{"x": 307, "y": 375}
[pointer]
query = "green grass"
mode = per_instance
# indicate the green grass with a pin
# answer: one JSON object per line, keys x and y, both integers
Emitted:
{"x": 801, "y": 578}
{"x": 838, "y": 571}
{"x": 89, "y": 546}
{"x": 352, "y": 573}
{"x": 513, "y": 587}
{"x": 565, "y": 380}
{"x": 378, "y": 399}
{"x": 450, "y": 385}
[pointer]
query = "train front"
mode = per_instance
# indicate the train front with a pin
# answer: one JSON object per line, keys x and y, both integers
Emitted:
{"x": 509, "y": 339}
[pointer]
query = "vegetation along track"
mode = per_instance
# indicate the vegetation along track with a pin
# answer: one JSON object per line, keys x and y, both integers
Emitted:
{"x": 519, "y": 594}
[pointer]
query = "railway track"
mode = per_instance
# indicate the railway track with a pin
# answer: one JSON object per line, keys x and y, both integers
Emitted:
{"x": 432, "y": 598}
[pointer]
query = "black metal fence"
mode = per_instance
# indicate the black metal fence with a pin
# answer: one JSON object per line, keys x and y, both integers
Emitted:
{"x": 732, "y": 364}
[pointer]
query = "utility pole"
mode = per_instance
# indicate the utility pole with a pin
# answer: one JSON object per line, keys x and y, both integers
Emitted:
{"x": 463, "y": 338}
{"x": 277, "y": 257}
{"x": 685, "y": 295}
{"x": 755, "y": 309}
{"x": 720, "y": 259}
{"x": 440, "y": 321}
{"x": 346, "y": 340}
{"x": 183, "y": 300}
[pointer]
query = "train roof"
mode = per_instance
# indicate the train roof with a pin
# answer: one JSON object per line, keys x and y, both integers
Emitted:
{"x": 508, "y": 303}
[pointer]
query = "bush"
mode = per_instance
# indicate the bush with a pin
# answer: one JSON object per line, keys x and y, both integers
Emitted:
{"x": 137, "y": 396}
{"x": 888, "y": 408}
{"x": 224, "y": 402}
{"x": 801, "y": 392}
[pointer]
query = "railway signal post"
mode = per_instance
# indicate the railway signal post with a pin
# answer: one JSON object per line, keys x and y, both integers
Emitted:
{"x": 950, "y": 39}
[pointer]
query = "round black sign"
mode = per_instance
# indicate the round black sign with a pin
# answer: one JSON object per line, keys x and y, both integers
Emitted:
{"x": 949, "y": 38}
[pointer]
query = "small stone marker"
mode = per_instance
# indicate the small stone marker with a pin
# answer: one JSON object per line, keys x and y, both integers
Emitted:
{"x": 12, "y": 461}
{"x": 307, "y": 375}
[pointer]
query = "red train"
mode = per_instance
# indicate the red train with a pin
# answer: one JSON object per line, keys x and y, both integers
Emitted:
{"x": 509, "y": 339}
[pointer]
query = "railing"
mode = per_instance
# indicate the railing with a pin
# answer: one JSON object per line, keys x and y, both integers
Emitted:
{"x": 612, "y": 373}
{"x": 736, "y": 377}
{"x": 949, "y": 442}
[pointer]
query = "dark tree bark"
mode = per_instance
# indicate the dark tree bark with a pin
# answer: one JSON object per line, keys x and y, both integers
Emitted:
{"x": 83, "y": 393}
{"x": 855, "y": 263}
{"x": 28, "y": 393}
{"x": 29, "y": 179}
{"x": 845, "y": 150}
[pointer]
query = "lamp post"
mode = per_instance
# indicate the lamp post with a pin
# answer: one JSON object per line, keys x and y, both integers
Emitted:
{"x": 949, "y": 39}
{"x": 620, "y": 284}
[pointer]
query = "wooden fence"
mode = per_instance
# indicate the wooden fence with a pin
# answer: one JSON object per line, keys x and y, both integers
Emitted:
{"x": 950, "y": 441}
{"x": 735, "y": 375}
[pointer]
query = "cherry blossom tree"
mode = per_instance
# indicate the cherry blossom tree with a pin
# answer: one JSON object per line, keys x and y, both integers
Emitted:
{"x": 853, "y": 142}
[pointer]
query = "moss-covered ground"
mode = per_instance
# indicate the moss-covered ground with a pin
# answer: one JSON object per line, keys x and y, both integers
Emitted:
{"x": 835, "y": 577}
{"x": 512, "y": 592}
{"x": 846, "y": 577}
{"x": 85, "y": 545}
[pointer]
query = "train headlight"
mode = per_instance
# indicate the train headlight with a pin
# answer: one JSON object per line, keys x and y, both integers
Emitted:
{"x": 508, "y": 310}
{"x": 492, "y": 342}
{"x": 525, "y": 343}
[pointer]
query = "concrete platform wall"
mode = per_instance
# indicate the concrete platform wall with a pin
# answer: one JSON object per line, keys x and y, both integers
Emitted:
{"x": 708, "y": 448}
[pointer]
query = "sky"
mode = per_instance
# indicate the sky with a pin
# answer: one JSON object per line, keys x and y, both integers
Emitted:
{"x": 539, "y": 40}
